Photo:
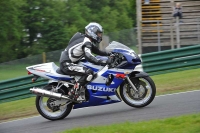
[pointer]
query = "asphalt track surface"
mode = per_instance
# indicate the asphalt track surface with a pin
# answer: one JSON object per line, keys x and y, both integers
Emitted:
{"x": 162, "y": 107}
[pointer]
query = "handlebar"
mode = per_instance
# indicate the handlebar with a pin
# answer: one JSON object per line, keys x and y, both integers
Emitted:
{"x": 117, "y": 59}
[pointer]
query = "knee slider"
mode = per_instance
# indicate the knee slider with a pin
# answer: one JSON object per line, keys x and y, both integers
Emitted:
{"x": 90, "y": 73}
{"x": 89, "y": 77}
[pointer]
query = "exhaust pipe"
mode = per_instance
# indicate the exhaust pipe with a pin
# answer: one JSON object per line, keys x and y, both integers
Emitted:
{"x": 45, "y": 93}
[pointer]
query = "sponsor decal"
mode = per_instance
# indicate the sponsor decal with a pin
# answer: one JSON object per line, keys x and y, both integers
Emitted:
{"x": 35, "y": 68}
{"x": 40, "y": 70}
{"x": 99, "y": 88}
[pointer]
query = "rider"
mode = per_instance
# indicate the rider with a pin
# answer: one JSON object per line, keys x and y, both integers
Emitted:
{"x": 83, "y": 45}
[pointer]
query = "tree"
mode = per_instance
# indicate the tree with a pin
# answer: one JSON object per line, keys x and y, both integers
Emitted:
{"x": 132, "y": 12}
{"x": 113, "y": 15}
{"x": 11, "y": 29}
{"x": 45, "y": 26}
{"x": 30, "y": 27}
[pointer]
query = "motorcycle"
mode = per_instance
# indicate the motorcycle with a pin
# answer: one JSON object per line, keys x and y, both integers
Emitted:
{"x": 112, "y": 83}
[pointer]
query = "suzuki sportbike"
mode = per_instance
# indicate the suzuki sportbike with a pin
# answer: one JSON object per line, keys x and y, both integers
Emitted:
{"x": 113, "y": 83}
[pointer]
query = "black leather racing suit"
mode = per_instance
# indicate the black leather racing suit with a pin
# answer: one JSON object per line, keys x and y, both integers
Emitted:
{"x": 80, "y": 46}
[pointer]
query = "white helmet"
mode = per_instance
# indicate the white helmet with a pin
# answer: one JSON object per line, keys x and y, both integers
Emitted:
{"x": 94, "y": 31}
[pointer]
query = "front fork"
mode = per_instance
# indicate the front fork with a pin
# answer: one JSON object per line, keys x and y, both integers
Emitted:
{"x": 136, "y": 74}
{"x": 132, "y": 85}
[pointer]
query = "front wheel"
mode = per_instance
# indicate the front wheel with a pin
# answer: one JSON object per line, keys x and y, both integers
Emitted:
{"x": 141, "y": 98}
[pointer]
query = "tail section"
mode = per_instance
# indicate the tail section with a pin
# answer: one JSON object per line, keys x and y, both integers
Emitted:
{"x": 48, "y": 71}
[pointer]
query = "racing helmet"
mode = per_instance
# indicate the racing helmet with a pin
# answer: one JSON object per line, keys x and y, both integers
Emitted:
{"x": 94, "y": 31}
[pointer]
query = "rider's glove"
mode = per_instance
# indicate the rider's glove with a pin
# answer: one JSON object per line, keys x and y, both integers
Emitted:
{"x": 102, "y": 62}
{"x": 110, "y": 60}
{"x": 110, "y": 54}
{"x": 106, "y": 62}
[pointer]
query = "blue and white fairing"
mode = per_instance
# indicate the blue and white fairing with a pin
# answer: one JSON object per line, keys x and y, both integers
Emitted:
{"x": 131, "y": 58}
{"x": 101, "y": 94}
{"x": 48, "y": 71}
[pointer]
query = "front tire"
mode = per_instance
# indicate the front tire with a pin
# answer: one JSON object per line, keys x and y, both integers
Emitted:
{"x": 145, "y": 95}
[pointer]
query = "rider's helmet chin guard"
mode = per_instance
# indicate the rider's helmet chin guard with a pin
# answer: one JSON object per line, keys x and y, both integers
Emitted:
{"x": 94, "y": 31}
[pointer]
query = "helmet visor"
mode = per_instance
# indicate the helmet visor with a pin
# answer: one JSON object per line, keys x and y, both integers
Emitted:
{"x": 100, "y": 34}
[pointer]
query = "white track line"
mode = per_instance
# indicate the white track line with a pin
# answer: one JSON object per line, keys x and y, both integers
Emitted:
{"x": 19, "y": 119}
{"x": 177, "y": 93}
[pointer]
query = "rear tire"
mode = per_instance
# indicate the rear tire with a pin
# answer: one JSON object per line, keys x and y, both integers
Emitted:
{"x": 51, "y": 108}
{"x": 50, "y": 116}
{"x": 146, "y": 92}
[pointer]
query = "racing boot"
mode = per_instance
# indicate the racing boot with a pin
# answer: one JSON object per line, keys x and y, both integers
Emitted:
{"x": 73, "y": 92}
{"x": 81, "y": 94}
{"x": 77, "y": 93}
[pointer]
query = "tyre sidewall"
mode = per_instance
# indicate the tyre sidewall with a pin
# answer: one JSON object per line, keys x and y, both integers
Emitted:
{"x": 153, "y": 87}
{"x": 65, "y": 114}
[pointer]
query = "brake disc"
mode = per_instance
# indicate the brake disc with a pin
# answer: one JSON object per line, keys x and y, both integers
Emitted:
{"x": 140, "y": 94}
{"x": 51, "y": 104}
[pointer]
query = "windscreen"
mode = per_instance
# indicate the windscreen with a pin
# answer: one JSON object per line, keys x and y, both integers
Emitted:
{"x": 113, "y": 45}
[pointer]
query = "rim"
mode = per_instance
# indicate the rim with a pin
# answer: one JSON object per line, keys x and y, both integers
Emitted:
{"x": 47, "y": 111}
{"x": 130, "y": 96}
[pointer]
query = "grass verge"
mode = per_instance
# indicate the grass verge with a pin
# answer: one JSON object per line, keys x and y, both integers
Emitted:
{"x": 12, "y": 71}
{"x": 165, "y": 83}
{"x": 177, "y": 81}
{"x": 18, "y": 109}
{"x": 181, "y": 124}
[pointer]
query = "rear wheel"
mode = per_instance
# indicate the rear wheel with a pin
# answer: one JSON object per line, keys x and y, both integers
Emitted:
{"x": 141, "y": 98}
{"x": 51, "y": 108}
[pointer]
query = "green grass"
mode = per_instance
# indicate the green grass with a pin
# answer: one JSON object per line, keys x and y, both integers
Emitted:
{"x": 181, "y": 124}
{"x": 165, "y": 83}
{"x": 12, "y": 71}
{"x": 177, "y": 81}
{"x": 17, "y": 109}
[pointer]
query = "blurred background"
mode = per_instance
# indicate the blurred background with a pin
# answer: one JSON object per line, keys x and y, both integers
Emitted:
{"x": 33, "y": 32}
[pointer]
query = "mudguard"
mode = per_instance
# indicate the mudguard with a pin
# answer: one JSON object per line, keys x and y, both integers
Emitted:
{"x": 138, "y": 74}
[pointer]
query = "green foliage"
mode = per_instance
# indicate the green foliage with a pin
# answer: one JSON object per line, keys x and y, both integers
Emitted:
{"x": 30, "y": 27}
{"x": 10, "y": 29}
{"x": 45, "y": 24}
